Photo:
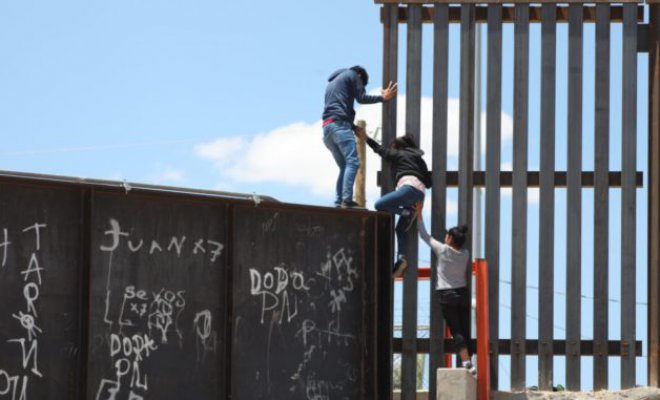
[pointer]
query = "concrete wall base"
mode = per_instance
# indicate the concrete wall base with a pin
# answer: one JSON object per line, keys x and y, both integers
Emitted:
{"x": 456, "y": 384}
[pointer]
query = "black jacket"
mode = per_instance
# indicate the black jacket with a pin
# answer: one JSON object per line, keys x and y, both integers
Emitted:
{"x": 406, "y": 161}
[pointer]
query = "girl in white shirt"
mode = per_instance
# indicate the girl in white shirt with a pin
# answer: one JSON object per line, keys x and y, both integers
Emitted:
{"x": 452, "y": 273}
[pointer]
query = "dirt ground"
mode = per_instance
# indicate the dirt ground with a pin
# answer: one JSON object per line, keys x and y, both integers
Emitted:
{"x": 642, "y": 393}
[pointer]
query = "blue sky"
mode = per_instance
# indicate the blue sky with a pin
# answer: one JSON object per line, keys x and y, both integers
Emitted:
{"x": 228, "y": 96}
{"x": 138, "y": 84}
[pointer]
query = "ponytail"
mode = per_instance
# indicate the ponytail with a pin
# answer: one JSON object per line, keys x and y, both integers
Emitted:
{"x": 458, "y": 235}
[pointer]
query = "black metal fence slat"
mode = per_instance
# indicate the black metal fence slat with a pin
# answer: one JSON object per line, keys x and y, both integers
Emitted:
{"x": 413, "y": 118}
{"x": 493, "y": 160}
{"x": 628, "y": 195}
{"x": 574, "y": 198}
{"x": 439, "y": 190}
{"x": 547, "y": 195}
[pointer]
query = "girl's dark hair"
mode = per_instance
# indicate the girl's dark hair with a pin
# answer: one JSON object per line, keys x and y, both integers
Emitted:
{"x": 362, "y": 73}
{"x": 403, "y": 142}
{"x": 458, "y": 235}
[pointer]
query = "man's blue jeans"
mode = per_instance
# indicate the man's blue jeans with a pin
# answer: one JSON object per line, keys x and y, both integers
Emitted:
{"x": 396, "y": 202}
{"x": 339, "y": 139}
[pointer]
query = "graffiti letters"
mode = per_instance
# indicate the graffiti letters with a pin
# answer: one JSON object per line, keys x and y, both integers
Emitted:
{"x": 279, "y": 291}
{"x": 17, "y": 385}
{"x": 116, "y": 237}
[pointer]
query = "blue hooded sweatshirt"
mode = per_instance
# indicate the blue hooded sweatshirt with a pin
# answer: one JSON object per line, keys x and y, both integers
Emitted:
{"x": 344, "y": 87}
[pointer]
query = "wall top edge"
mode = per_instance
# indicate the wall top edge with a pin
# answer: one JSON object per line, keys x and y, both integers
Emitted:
{"x": 405, "y": 2}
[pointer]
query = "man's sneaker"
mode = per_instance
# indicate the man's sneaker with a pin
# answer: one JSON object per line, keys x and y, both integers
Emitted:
{"x": 470, "y": 367}
{"x": 399, "y": 266}
{"x": 350, "y": 204}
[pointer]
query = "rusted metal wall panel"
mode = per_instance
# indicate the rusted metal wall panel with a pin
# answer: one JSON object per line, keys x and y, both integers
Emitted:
{"x": 299, "y": 303}
{"x": 41, "y": 235}
{"x": 188, "y": 293}
{"x": 508, "y": 13}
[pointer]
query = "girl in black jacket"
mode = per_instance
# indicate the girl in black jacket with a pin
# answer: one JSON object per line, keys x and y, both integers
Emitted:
{"x": 412, "y": 178}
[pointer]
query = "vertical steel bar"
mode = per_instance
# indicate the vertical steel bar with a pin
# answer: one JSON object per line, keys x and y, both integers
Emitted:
{"x": 439, "y": 168}
{"x": 574, "y": 198}
{"x": 601, "y": 194}
{"x": 493, "y": 161}
{"x": 654, "y": 198}
{"x": 390, "y": 72}
{"x": 390, "y": 66}
{"x": 628, "y": 195}
{"x": 547, "y": 194}
{"x": 466, "y": 117}
{"x": 466, "y": 132}
{"x": 360, "y": 178}
{"x": 519, "y": 200}
{"x": 413, "y": 116}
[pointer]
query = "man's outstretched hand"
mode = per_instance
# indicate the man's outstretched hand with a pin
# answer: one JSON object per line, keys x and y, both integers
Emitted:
{"x": 389, "y": 92}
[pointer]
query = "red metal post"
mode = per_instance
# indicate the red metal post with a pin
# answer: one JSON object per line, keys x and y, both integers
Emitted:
{"x": 480, "y": 267}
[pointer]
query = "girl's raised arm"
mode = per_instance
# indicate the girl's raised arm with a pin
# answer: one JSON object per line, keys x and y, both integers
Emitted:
{"x": 435, "y": 245}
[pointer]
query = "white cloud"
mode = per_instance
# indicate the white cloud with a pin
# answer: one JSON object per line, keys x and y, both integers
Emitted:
{"x": 221, "y": 151}
{"x": 295, "y": 154}
{"x": 373, "y": 116}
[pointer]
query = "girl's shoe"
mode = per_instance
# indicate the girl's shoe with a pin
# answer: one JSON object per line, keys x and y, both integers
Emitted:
{"x": 470, "y": 367}
{"x": 399, "y": 267}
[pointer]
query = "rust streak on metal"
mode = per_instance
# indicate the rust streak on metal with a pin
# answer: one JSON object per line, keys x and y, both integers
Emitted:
{"x": 508, "y": 14}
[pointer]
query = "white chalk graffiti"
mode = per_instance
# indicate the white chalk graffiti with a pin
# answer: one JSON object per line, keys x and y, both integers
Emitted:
{"x": 320, "y": 389}
{"x": 161, "y": 310}
{"x": 338, "y": 278}
{"x": 175, "y": 244}
{"x": 108, "y": 390}
{"x": 27, "y": 322}
{"x": 270, "y": 225}
{"x": 30, "y": 354}
{"x": 4, "y": 246}
{"x": 310, "y": 333}
{"x": 17, "y": 385}
{"x": 278, "y": 291}
{"x": 139, "y": 346}
{"x": 313, "y": 231}
{"x": 338, "y": 269}
{"x": 142, "y": 322}
{"x": 206, "y": 339}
